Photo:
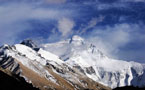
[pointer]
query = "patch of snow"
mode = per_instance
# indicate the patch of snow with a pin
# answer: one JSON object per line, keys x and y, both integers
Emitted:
{"x": 49, "y": 56}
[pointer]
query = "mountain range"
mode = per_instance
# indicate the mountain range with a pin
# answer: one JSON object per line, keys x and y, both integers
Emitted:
{"x": 72, "y": 64}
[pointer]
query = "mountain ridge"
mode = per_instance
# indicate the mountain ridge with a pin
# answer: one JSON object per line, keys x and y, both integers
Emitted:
{"x": 44, "y": 70}
{"x": 70, "y": 64}
{"x": 86, "y": 56}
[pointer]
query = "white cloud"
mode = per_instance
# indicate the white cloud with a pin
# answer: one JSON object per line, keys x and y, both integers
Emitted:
{"x": 120, "y": 35}
{"x": 65, "y": 26}
{"x": 111, "y": 39}
{"x": 92, "y": 23}
{"x": 14, "y": 17}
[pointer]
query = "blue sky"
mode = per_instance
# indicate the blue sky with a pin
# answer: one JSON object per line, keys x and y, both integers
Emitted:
{"x": 117, "y": 27}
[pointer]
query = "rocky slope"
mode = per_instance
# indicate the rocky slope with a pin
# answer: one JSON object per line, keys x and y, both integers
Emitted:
{"x": 43, "y": 69}
{"x": 10, "y": 81}
{"x": 89, "y": 60}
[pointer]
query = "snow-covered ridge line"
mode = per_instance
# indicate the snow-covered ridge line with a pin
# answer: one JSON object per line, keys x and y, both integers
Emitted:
{"x": 97, "y": 66}
{"x": 45, "y": 66}
{"x": 75, "y": 57}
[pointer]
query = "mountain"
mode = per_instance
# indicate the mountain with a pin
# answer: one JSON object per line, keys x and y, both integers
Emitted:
{"x": 72, "y": 64}
{"x": 43, "y": 69}
{"x": 89, "y": 60}
{"x": 9, "y": 81}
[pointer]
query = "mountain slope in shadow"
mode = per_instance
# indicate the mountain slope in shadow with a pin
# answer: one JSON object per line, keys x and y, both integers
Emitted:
{"x": 14, "y": 82}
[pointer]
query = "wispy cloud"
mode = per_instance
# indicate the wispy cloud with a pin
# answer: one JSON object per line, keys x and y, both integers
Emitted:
{"x": 65, "y": 26}
{"x": 91, "y": 24}
{"x": 14, "y": 18}
{"x": 110, "y": 40}
{"x": 113, "y": 35}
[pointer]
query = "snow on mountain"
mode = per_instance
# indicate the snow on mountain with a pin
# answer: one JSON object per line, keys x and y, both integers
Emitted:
{"x": 27, "y": 57}
{"x": 44, "y": 69}
{"x": 92, "y": 62}
{"x": 72, "y": 64}
{"x": 49, "y": 56}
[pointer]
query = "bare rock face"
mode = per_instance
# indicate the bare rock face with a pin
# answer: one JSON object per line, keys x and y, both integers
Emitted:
{"x": 90, "y": 70}
{"x": 8, "y": 62}
{"x": 29, "y": 43}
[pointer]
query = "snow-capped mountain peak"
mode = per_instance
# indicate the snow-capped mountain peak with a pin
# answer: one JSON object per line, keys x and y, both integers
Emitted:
{"x": 95, "y": 64}
{"x": 77, "y": 40}
{"x": 76, "y": 46}
{"x": 72, "y": 57}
